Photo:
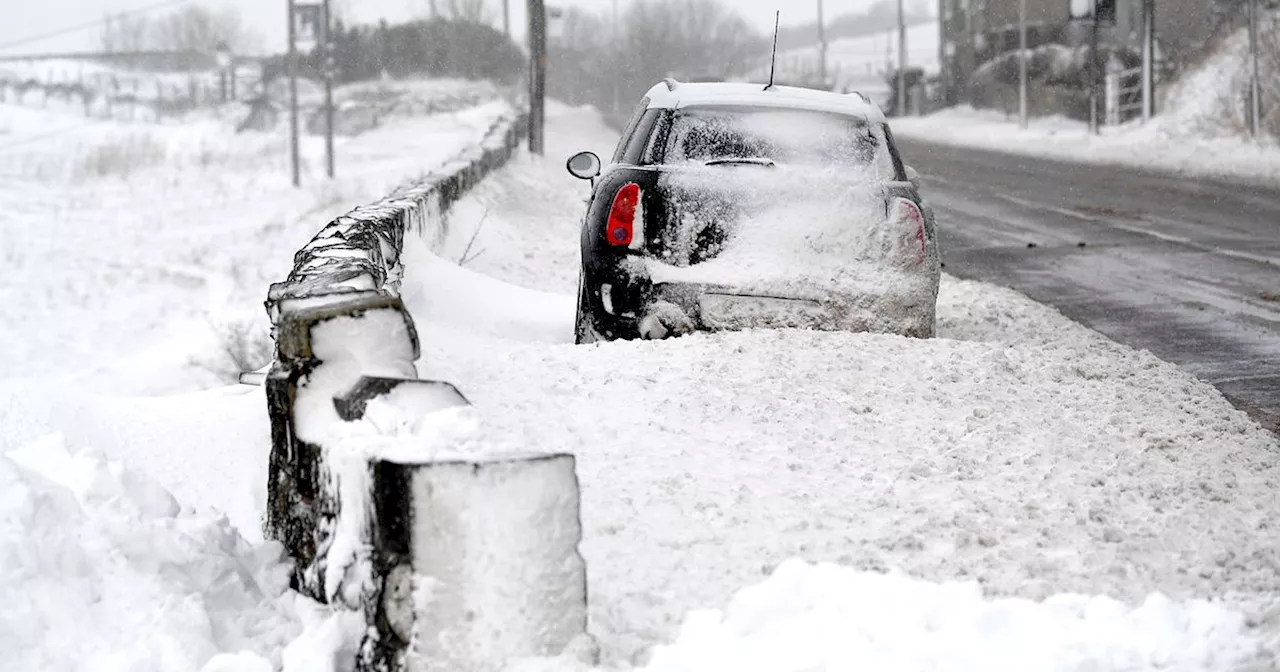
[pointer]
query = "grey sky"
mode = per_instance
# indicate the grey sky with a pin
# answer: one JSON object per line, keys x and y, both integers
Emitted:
{"x": 267, "y": 17}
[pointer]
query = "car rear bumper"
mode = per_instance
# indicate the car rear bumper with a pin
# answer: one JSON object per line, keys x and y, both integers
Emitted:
{"x": 670, "y": 309}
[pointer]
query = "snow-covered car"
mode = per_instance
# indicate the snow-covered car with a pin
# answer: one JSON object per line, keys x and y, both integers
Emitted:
{"x": 731, "y": 206}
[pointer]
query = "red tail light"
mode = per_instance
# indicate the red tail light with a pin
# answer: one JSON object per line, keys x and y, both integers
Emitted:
{"x": 908, "y": 214}
{"x": 622, "y": 216}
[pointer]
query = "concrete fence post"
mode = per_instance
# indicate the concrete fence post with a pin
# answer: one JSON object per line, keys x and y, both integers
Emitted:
{"x": 1112, "y": 98}
{"x": 481, "y": 562}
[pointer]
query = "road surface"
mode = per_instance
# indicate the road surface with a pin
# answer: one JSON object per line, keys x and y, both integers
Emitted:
{"x": 1188, "y": 269}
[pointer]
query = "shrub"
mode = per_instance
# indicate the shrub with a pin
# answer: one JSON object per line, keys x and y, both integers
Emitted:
{"x": 120, "y": 156}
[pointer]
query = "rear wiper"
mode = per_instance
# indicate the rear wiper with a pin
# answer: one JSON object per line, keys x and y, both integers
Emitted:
{"x": 747, "y": 160}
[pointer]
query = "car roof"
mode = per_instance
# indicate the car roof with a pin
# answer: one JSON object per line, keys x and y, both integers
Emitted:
{"x": 670, "y": 95}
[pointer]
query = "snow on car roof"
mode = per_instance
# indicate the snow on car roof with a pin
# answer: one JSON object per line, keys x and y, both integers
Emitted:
{"x": 671, "y": 94}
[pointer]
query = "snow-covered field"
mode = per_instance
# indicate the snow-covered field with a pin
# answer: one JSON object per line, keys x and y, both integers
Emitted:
{"x": 1199, "y": 131}
{"x": 849, "y": 501}
{"x": 136, "y": 257}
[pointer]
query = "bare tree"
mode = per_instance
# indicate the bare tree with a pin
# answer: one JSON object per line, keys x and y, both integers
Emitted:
{"x": 195, "y": 28}
{"x": 124, "y": 33}
{"x": 655, "y": 39}
{"x": 1269, "y": 71}
{"x": 107, "y": 38}
{"x": 584, "y": 31}
{"x": 473, "y": 11}
{"x": 688, "y": 37}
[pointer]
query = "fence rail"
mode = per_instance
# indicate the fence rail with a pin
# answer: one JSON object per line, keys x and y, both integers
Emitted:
{"x": 1122, "y": 95}
{"x": 125, "y": 95}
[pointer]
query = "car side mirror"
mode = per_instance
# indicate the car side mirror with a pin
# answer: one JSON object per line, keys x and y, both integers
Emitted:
{"x": 583, "y": 165}
{"x": 913, "y": 177}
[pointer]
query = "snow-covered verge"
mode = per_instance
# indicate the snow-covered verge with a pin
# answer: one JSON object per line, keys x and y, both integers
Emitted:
{"x": 1154, "y": 146}
{"x": 101, "y": 569}
{"x": 1018, "y": 453}
{"x": 1199, "y": 130}
{"x": 135, "y": 257}
{"x": 116, "y": 284}
{"x": 828, "y": 617}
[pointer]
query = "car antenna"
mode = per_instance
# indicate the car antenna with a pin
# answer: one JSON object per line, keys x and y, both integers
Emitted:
{"x": 773, "y": 58}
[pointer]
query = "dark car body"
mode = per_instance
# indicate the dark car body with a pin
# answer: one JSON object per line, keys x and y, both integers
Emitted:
{"x": 619, "y": 295}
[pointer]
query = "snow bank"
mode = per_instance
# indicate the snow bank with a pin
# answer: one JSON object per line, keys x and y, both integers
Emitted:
{"x": 1199, "y": 130}
{"x": 827, "y": 617}
{"x": 481, "y": 303}
{"x": 208, "y": 448}
{"x": 1208, "y": 101}
{"x": 1153, "y": 146}
{"x": 94, "y": 555}
{"x": 1039, "y": 460}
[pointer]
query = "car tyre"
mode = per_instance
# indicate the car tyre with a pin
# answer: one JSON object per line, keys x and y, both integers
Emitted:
{"x": 583, "y": 331}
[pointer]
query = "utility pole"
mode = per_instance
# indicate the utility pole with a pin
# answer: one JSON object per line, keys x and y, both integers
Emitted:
{"x": 293, "y": 97}
{"x": 506, "y": 17}
{"x": 537, "y": 74}
{"x": 617, "y": 59}
{"x": 1022, "y": 63}
{"x": 330, "y": 64}
{"x": 822, "y": 48}
{"x": 1148, "y": 58}
{"x": 1093, "y": 71}
{"x": 902, "y": 59}
{"x": 944, "y": 70}
{"x": 1255, "y": 93}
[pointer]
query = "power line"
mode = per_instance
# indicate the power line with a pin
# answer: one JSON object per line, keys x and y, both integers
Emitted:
{"x": 94, "y": 24}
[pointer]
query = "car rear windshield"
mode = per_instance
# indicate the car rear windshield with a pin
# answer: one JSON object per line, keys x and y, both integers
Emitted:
{"x": 806, "y": 137}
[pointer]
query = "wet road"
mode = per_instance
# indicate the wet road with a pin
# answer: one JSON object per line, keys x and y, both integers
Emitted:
{"x": 1187, "y": 269}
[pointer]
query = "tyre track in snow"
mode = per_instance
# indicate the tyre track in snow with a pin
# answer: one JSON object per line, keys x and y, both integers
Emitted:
{"x": 1020, "y": 449}
{"x": 1188, "y": 269}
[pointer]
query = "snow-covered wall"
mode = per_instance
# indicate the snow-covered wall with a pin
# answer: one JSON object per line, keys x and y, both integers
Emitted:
{"x": 360, "y": 251}
{"x": 358, "y": 512}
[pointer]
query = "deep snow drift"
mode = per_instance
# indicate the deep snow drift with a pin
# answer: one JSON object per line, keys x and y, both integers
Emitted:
{"x": 827, "y": 617}
{"x": 101, "y": 569}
